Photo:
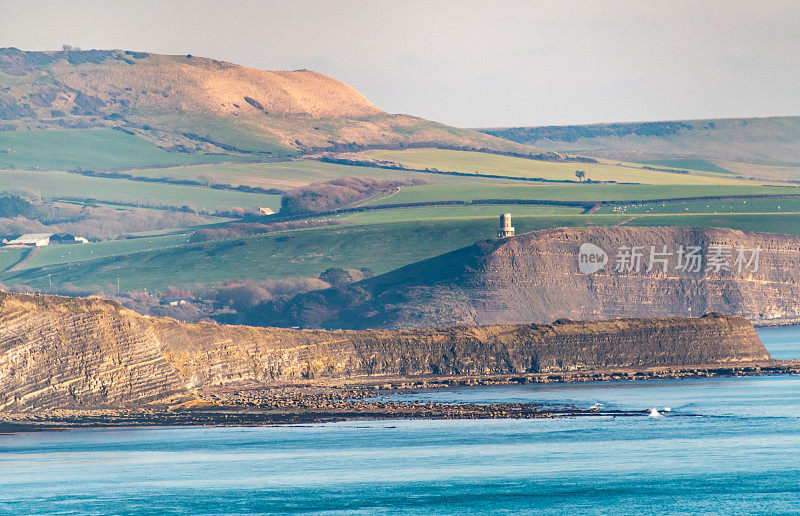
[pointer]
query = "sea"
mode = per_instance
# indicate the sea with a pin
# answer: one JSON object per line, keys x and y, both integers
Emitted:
{"x": 711, "y": 446}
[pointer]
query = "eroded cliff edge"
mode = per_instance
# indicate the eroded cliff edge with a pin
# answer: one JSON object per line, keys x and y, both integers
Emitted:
{"x": 58, "y": 352}
{"x": 535, "y": 277}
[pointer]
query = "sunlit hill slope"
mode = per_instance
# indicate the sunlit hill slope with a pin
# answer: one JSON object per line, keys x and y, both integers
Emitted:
{"x": 193, "y": 104}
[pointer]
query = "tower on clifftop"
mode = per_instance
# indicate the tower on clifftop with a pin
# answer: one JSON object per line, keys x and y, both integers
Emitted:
{"x": 506, "y": 229}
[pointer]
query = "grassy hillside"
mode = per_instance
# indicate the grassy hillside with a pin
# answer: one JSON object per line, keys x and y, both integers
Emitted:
{"x": 89, "y": 149}
{"x": 759, "y": 205}
{"x": 714, "y": 145}
{"x": 380, "y": 240}
{"x": 62, "y": 254}
{"x": 380, "y": 247}
{"x": 788, "y": 223}
{"x": 57, "y": 185}
{"x": 573, "y": 192}
{"x": 9, "y": 257}
{"x": 457, "y": 213}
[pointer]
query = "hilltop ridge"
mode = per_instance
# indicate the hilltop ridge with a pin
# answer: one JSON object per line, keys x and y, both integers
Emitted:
{"x": 166, "y": 83}
{"x": 765, "y": 147}
{"x": 195, "y": 104}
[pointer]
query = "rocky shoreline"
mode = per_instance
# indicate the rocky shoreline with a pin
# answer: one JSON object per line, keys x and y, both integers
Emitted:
{"x": 366, "y": 399}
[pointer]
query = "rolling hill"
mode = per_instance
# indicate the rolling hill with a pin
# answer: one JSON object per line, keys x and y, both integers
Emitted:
{"x": 187, "y": 104}
{"x": 758, "y": 147}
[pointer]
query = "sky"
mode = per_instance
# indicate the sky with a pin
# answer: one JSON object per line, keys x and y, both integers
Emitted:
{"x": 469, "y": 63}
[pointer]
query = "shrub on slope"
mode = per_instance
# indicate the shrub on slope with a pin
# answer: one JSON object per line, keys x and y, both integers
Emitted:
{"x": 338, "y": 193}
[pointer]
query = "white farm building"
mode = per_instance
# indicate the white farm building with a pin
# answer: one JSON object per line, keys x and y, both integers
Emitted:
{"x": 43, "y": 239}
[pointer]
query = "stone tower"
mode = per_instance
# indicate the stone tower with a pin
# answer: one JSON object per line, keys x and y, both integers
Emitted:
{"x": 506, "y": 229}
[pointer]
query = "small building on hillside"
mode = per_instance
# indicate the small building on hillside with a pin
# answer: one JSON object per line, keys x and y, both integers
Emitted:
{"x": 43, "y": 239}
{"x": 67, "y": 238}
{"x": 175, "y": 301}
{"x": 28, "y": 240}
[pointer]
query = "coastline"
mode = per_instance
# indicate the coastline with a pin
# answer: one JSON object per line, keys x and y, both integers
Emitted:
{"x": 355, "y": 399}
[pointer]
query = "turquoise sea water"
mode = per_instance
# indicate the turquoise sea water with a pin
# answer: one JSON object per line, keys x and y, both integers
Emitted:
{"x": 728, "y": 446}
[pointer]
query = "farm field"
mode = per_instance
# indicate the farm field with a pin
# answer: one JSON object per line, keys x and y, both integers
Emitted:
{"x": 768, "y": 223}
{"x": 290, "y": 174}
{"x": 56, "y": 185}
{"x": 480, "y": 163}
{"x": 758, "y": 205}
{"x": 457, "y": 212}
{"x": 90, "y": 149}
{"x": 56, "y": 254}
{"x": 379, "y": 240}
{"x": 572, "y": 192}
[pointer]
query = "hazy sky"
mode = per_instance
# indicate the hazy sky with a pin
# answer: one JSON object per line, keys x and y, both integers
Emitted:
{"x": 472, "y": 63}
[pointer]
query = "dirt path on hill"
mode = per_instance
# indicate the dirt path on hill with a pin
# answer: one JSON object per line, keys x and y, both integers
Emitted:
{"x": 32, "y": 253}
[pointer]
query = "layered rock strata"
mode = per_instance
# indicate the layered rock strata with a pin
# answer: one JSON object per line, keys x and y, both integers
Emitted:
{"x": 58, "y": 352}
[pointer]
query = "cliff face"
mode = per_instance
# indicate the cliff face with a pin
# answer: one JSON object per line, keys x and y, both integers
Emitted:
{"x": 536, "y": 277}
{"x": 62, "y": 352}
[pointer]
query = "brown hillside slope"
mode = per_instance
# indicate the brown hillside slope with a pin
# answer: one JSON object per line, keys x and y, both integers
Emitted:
{"x": 191, "y": 103}
{"x": 206, "y": 85}
{"x": 535, "y": 277}
{"x": 58, "y": 352}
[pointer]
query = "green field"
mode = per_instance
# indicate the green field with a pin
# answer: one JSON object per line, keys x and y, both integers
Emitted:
{"x": 572, "y": 192}
{"x": 758, "y": 205}
{"x": 291, "y": 174}
{"x": 480, "y": 163}
{"x": 89, "y": 149}
{"x": 381, "y": 240}
{"x": 57, "y": 254}
{"x": 381, "y": 247}
{"x": 55, "y": 185}
{"x": 458, "y": 212}
{"x": 788, "y": 224}
{"x": 9, "y": 257}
